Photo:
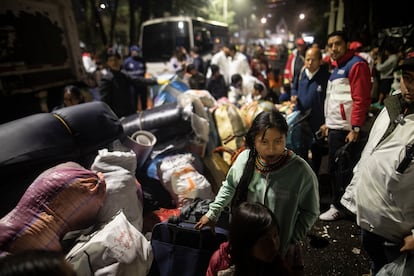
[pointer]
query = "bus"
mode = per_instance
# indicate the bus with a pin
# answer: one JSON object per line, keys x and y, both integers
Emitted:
{"x": 161, "y": 36}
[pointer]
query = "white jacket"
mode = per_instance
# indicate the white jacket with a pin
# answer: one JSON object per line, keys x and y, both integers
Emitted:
{"x": 385, "y": 197}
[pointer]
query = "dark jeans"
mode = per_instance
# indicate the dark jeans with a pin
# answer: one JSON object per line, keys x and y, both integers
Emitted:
{"x": 380, "y": 250}
{"x": 339, "y": 177}
{"x": 317, "y": 150}
{"x": 139, "y": 92}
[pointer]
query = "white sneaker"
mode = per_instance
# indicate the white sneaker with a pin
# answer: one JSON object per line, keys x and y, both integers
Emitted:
{"x": 332, "y": 214}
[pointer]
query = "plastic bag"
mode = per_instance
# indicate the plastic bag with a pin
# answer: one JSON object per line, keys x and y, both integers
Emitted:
{"x": 402, "y": 266}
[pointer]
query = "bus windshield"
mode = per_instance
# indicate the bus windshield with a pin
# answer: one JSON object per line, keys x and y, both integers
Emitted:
{"x": 161, "y": 37}
{"x": 159, "y": 40}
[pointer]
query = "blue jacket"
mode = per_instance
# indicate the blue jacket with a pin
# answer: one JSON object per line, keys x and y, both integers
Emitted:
{"x": 135, "y": 67}
{"x": 311, "y": 94}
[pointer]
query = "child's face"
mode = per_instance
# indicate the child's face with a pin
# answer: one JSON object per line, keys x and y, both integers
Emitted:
{"x": 270, "y": 146}
{"x": 267, "y": 247}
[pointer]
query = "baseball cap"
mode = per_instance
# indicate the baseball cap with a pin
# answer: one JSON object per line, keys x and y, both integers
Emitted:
{"x": 300, "y": 41}
{"x": 408, "y": 63}
{"x": 134, "y": 48}
{"x": 355, "y": 45}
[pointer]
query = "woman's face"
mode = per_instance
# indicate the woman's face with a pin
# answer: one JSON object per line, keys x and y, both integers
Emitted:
{"x": 271, "y": 145}
{"x": 69, "y": 99}
{"x": 266, "y": 248}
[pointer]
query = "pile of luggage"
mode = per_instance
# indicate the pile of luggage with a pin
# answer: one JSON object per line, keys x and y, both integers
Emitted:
{"x": 171, "y": 159}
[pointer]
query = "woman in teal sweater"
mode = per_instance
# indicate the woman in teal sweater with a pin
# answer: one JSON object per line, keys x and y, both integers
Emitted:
{"x": 268, "y": 173}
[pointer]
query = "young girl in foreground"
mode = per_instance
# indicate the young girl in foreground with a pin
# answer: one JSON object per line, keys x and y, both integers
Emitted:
{"x": 268, "y": 173}
{"x": 253, "y": 246}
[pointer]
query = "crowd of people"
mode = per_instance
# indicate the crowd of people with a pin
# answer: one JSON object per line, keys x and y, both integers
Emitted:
{"x": 339, "y": 86}
{"x": 339, "y": 94}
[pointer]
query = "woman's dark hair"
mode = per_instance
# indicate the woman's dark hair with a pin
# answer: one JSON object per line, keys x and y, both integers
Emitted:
{"x": 34, "y": 263}
{"x": 235, "y": 78}
{"x": 263, "y": 121}
{"x": 214, "y": 68}
{"x": 74, "y": 90}
{"x": 75, "y": 93}
{"x": 249, "y": 222}
{"x": 190, "y": 67}
{"x": 258, "y": 86}
{"x": 111, "y": 52}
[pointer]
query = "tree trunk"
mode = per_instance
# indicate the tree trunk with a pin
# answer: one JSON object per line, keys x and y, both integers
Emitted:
{"x": 132, "y": 22}
{"x": 99, "y": 21}
{"x": 113, "y": 21}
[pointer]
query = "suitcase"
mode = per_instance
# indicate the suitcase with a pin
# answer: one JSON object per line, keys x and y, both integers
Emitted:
{"x": 179, "y": 249}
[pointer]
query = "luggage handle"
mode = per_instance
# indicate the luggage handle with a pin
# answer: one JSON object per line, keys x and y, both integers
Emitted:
{"x": 189, "y": 226}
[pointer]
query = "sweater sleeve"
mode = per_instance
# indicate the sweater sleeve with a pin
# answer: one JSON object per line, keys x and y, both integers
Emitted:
{"x": 228, "y": 189}
{"x": 360, "y": 81}
{"x": 308, "y": 206}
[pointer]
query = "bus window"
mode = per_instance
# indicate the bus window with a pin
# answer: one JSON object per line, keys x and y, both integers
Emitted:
{"x": 160, "y": 37}
{"x": 202, "y": 39}
{"x": 160, "y": 40}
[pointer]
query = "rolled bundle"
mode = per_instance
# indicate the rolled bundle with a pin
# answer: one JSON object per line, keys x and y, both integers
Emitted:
{"x": 157, "y": 117}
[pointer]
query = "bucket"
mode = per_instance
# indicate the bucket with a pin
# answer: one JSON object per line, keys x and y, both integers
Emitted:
{"x": 141, "y": 142}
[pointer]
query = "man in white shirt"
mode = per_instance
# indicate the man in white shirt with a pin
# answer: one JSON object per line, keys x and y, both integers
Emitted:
{"x": 221, "y": 60}
{"x": 238, "y": 63}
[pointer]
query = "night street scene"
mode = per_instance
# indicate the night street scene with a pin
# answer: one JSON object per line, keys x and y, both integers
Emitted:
{"x": 206, "y": 137}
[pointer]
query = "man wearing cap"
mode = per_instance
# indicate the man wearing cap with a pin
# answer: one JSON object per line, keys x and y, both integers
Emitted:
{"x": 381, "y": 191}
{"x": 295, "y": 61}
{"x": 357, "y": 47}
{"x": 135, "y": 67}
{"x": 115, "y": 85}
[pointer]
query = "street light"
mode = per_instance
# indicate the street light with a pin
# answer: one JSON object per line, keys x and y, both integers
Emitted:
{"x": 298, "y": 26}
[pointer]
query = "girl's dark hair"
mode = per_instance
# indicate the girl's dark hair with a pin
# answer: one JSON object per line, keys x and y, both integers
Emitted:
{"x": 249, "y": 222}
{"x": 263, "y": 121}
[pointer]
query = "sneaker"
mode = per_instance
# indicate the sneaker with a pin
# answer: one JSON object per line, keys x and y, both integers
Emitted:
{"x": 332, "y": 214}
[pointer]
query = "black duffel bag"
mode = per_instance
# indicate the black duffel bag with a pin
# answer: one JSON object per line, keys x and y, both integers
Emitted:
{"x": 35, "y": 143}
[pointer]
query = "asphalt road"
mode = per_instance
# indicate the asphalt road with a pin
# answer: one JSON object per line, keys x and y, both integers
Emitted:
{"x": 334, "y": 248}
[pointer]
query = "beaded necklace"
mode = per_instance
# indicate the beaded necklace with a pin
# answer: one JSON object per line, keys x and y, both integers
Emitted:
{"x": 264, "y": 168}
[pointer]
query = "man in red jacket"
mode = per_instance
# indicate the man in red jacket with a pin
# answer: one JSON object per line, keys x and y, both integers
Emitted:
{"x": 348, "y": 98}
